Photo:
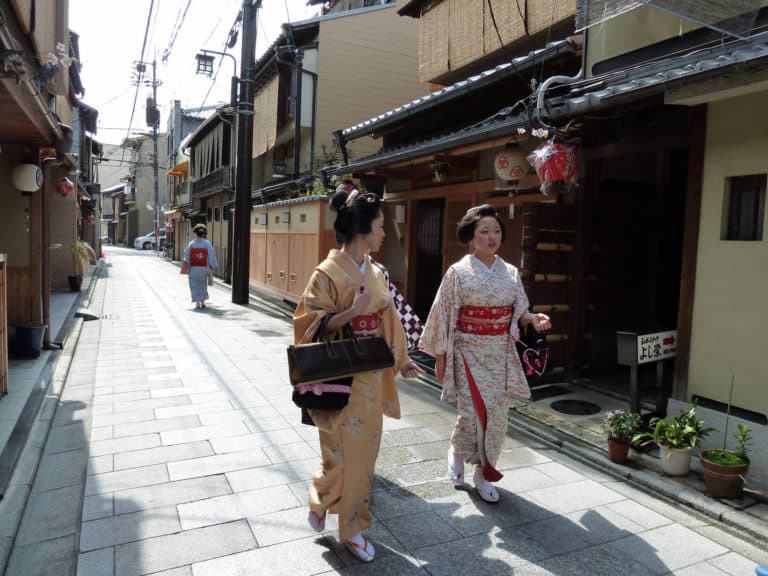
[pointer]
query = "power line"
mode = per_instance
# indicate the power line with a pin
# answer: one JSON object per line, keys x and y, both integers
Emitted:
{"x": 141, "y": 72}
{"x": 180, "y": 17}
{"x": 232, "y": 34}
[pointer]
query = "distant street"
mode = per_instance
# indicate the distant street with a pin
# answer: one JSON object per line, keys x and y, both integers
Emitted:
{"x": 197, "y": 464}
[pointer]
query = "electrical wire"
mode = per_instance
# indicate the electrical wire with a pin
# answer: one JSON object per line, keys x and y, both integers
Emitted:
{"x": 138, "y": 83}
{"x": 232, "y": 31}
{"x": 496, "y": 26}
{"x": 180, "y": 17}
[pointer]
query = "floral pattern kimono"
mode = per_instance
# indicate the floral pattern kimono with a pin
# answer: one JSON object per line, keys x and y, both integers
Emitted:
{"x": 482, "y": 368}
{"x": 350, "y": 438}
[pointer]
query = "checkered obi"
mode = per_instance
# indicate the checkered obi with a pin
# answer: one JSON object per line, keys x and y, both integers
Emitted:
{"x": 367, "y": 325}
{"x": 484, "y": 320}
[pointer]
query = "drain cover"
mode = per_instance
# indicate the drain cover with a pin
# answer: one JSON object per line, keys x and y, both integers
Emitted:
{"x": 575, "y": 407}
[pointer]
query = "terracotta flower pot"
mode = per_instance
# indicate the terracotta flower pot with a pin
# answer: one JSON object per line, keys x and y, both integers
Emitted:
{"x": 617, "y": 452}
{"x": 723, "y": 481}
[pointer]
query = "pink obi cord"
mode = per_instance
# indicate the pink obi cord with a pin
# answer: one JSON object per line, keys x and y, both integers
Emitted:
{"x": 319, "y": 388}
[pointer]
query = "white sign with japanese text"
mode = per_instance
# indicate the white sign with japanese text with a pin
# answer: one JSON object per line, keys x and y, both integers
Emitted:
{"x": 656, "y": 346}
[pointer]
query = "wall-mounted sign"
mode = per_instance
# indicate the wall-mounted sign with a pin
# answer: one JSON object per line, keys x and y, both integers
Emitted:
{"x": 510, "y": 164}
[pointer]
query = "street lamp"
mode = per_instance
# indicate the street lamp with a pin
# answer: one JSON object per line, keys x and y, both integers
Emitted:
{"x": 205, "y": 66}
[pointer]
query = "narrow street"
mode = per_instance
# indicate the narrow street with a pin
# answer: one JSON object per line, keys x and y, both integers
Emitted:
{"x": 197, "y": 464}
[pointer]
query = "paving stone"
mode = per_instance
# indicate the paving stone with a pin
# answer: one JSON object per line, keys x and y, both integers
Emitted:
{"x": 639, "y": 514}
{"x": 50, "y": 515}
{"x": 101, "y": 464}
{"x": 184, "y": 390}
{"x": 227, "y": 429}
{"x": 66, "y": 438}
{"x": 734, "y": 564}
{"x": 297, "y": 558}
{"x": 97, "y": 563}
{"x": 290, "y": 452}
{"x": 188, "y": 547}
{"x": 235, "y": 506}
{"x": 479, "y": 517}
{"x": 665, "y": 549}
{"x": 50, "y": 558}
{"x": 705, "y": 569}
{"x": 162, "y": 454}
{"x": 193, "y": 409}
{"x": 99, "y": 506}
{"x": 152, "y": 403}
{"x": 482, "y": 554}
{"x": 592, "y": 562}
{"x": 122, "y": 418}
{"x": 102, "y": 433}
{"x": 120, "y": 397}
{"x": 579, "y": 530}
{"x": 170, "y": 493}
{"x": 128, "y": 528}
{"x": 126, "y": 444}
{"x": 125, "y": 479}
{"x": 60, "y": 470}
{"x": 420, "y": 530}
{"x": 574, "y": 496}
{"x": 11, "y": 510}
{"x": 151, "y": 426}
{"x": 273, "y": 475}
{"x": 216, "y": 464}
{"x": 147, "y": 385}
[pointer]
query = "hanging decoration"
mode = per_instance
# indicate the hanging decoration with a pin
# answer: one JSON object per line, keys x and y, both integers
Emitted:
{"x": 90, "y": 218}
{"x": 65, "y": 187}
{"x": 554, "y": 162}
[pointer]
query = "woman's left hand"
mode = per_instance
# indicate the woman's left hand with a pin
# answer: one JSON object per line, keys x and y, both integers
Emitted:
{"x": 410, "y": 370}
{"x": 540, "y": 322}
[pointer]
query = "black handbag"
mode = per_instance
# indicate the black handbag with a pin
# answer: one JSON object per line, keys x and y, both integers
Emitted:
{"x": 533, "y": 351}
{"x": 321, "y": 371}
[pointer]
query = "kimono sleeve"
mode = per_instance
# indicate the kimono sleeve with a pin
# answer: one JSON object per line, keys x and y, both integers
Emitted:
{"x": 317, "y": 301}
{"x": 186, "y": 252}
{"x": 213, "y": 262}
{"x": 521, "y": 299}
{"x": 436, "y": 338}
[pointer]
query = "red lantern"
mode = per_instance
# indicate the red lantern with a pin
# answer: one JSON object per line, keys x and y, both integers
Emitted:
{"x": 90, "y": 219}
{"x": 555, "y": 162}
{"x": 169, "y": 226}
{"x": 65, "y": 187}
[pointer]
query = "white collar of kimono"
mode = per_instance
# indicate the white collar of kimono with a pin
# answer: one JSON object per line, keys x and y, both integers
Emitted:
{"x": 361, "y": 267}
{"x": 483, "y": 264}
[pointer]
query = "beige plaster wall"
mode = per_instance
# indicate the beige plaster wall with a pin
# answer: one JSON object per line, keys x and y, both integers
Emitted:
{"x": 14, "y": 237}
{"x": 730, "y": 319}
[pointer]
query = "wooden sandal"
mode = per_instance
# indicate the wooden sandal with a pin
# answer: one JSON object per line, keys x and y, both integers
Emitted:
{"x": 361, "y": 552}
{"x": 317, "y": 521}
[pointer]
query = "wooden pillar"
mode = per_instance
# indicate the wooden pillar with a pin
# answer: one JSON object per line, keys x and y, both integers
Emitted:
{"x": 3, "y": 328}
{"x": 35, "y": 254}
{"x": 690, "y": 249}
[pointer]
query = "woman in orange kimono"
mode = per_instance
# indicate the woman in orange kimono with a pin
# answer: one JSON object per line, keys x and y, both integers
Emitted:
{"x": 471, "y": 332}
{"x": 351, "y": 290}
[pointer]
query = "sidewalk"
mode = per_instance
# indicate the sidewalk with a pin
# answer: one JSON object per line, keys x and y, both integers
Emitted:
{"x": 175, "y": 450}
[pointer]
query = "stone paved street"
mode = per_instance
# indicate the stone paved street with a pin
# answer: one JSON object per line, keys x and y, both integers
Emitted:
{"x": 176, "y": 450}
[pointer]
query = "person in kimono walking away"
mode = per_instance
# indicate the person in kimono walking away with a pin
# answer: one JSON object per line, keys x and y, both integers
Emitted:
{"x": 200, "y": 259}
{"x": 348, "y": 289}
{"x": 471, "y": 332}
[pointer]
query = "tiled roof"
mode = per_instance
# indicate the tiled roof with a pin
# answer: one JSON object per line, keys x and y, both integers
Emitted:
{"x": 657, "y": 77}
{"x": 472, "y": 83}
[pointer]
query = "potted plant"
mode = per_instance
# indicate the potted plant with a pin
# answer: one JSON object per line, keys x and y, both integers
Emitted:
{"x": 619, "y": 426}
{"x": 723, "y": 469}
{"x": 83, "y": 254}
{"x": 676, "y": 437}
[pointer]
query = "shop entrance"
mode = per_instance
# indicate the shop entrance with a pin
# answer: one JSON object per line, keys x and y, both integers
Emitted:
{"x": 633, "y": 283}
{"x": 426, "y": 275}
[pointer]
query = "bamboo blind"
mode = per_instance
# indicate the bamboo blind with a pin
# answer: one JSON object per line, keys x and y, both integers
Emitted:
{"x": 265, "y": 119}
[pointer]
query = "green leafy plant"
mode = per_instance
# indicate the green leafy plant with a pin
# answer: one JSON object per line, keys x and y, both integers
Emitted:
{"x": 619, "y": 425}
{"x": 743, "y": 436}
{"x": 682, "y": 431}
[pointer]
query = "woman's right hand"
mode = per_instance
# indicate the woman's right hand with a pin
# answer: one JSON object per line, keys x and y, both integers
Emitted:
{"x": 440, "y": 367}
{"x": 361, "y": 301}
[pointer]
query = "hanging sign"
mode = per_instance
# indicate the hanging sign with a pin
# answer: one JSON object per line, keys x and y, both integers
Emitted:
{"x": 65, "y": 187}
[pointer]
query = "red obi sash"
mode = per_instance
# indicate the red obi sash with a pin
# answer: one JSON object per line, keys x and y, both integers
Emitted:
{"x": 198, "y": 257}
{"x": 484, "y": 320}
{"x": 365, "y": 324}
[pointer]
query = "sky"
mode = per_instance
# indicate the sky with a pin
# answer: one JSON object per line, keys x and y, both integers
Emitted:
{"x": 111, "y": 36}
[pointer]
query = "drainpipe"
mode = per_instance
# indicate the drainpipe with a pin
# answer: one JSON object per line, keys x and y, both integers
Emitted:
{"x": 549, "y": 82}
{"x": 338, "y": 135}
{"x": 297, "y": 102}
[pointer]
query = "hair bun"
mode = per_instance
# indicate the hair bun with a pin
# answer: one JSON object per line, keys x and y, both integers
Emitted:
{"x": 338, "y": 200}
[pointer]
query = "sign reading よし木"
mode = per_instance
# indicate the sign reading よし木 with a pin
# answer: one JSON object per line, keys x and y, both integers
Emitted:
{"x": 656, "y": 346}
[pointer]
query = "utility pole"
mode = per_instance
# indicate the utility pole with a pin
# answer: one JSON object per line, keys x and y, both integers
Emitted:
{"x": 242, "y": 235}
{"x": 156, "y": 121}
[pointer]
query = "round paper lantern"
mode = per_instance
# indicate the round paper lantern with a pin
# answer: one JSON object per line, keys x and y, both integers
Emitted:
{"x": 27, "y": 177}
{"x": 510, "y": 164}
{"x": 65, "y": 187}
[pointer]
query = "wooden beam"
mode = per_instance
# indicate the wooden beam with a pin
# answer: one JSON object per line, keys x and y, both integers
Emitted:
{"x": 690, "y": 250}
{"x": 464, "y": 188}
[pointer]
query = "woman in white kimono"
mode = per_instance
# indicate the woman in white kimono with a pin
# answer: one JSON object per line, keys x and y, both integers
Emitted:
{"x": 200, "y": 259}
{"x": 471, "y": 332}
